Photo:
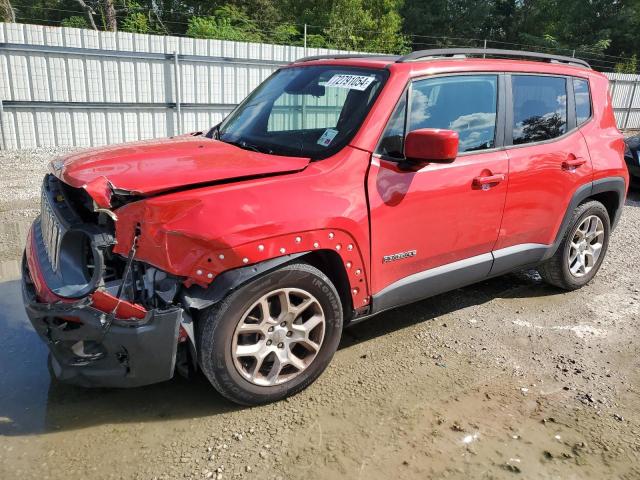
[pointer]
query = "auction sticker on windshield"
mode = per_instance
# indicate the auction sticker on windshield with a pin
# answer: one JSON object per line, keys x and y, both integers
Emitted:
{"x": 327, "y": 137}
{"x": 352, "y": 82}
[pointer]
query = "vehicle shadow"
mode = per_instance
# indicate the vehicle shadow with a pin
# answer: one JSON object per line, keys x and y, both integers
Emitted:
{"x": 30, "y": 402}
{"x": 525, "y": 284}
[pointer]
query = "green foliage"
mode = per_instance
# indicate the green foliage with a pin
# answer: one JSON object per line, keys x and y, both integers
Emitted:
{"x": 628, "y": 66}
{"x": 286, "y": 34}
{"x": 594, "y": 28}
{"x": 74, "y": 21}
{"x": 136, "y": 22}
{"x": 227, "y": 23}
{"x": 371, "y": 25}
{"x": 316, "y": 41}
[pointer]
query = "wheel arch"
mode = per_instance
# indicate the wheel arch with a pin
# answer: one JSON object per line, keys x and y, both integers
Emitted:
{"x": 330, "y": 263}
{"x": 610, "y": 191}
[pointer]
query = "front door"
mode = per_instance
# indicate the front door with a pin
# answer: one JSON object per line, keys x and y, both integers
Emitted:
{"x": 443, "y": 215}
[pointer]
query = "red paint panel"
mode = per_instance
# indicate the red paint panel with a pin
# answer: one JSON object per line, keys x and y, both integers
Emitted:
{"x": 157, "y": 165}
{"x": 187, "y": 232}
{"x": 437, "y": 211}
{"x": 432, "y": 144}
{"x": 604, "y": 140}
{"x": 105, "y": 302}
{"x": 540, "y": 185}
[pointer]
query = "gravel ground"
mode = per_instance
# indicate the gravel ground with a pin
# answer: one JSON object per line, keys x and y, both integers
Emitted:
{"x": 20, "y": 184}
{"x": 504, "y": 379}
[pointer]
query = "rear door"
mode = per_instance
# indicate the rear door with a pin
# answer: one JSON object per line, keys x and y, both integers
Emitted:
{"x": 441, "y": 213}
{"x": 548, "y": 156}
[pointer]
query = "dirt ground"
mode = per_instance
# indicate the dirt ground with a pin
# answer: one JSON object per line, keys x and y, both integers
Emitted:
{"x": 508, "y": 378}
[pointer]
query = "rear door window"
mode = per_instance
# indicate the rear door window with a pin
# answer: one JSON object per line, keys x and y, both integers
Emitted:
{"x": 539, "y": 108}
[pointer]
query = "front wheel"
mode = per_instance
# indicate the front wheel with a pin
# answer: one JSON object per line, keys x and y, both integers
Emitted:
{"x": 582, "y": 249}
{"x": 272, "y": 337}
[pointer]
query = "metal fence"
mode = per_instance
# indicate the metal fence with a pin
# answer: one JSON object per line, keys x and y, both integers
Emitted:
{"x": 625, "y": 95}
{"x": 76, "y": 87}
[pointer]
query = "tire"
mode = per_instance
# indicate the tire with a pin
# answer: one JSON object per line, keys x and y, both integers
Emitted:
{"x": 238, "y": 378}
{"x": 557, "y": 270}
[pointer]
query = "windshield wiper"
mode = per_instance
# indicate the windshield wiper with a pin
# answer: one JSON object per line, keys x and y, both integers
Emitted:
{"x": 248, "y": 146}
{"x": 214, "y": 133}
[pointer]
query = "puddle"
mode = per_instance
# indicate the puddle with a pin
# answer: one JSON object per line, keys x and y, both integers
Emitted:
{"x": 24, "y": 378}
{"x": 30, "y": 402}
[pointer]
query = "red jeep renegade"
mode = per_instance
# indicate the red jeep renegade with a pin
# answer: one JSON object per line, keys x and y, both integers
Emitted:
{"x": 340, "y": 188}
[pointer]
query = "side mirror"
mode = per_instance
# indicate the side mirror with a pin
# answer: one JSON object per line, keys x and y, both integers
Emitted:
{"x": 433, "y": 145}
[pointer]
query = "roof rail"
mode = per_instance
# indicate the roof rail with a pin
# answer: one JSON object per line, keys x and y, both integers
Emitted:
{"x": 346, "y": 55}
{"x": 449, "y": 52}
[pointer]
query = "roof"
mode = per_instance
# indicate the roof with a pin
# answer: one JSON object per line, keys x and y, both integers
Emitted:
{"x": 458, "y": 59}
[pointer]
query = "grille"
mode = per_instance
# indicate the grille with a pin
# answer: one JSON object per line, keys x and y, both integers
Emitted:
{"x": 51, "y": 231}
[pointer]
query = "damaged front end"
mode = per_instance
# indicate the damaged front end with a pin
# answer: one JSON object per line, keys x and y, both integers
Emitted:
{"x": 109, "y": 320}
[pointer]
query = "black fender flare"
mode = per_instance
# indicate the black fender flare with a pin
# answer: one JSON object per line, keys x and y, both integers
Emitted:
{"x": 616, "y": 185}
{"x": 198, "y": 298}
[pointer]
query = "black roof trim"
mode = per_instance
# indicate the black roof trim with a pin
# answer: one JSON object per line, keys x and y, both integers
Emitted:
{"x": 450, "y": 52}
{"x": 345, "y": 56}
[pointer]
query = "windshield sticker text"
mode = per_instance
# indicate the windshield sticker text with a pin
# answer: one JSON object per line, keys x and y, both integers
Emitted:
{"x": 352, "y": 82}
{"x": 327, "y": 137}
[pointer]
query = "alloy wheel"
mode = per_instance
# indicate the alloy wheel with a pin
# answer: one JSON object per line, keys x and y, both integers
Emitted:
{"x": 278, "y": 337}
{"x": 586, "y": 246}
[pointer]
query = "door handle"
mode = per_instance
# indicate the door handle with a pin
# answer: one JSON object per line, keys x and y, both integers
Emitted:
{"x": 485, "y": 182}
{"x": 572, "y": 163}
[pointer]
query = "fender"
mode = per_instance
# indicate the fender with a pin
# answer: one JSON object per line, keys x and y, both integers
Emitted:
{"x": 199, "y": 298}
{"x": 615, "y": 185}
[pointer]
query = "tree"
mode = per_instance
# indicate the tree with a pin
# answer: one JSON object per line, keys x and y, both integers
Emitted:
{"x": 595, "y": 29}
{"x": 285, "y": 34}
{"x": 110, "y": 15}
{"x": 627, "y": 66}
{"x": 374, "y": 25}
{"x": 89, "y": 12}
{"x": 7, "y": 14}
{"x": 227, "y": 23}
{"x": 75, "y": 21}
{"x": 136, "y": 22}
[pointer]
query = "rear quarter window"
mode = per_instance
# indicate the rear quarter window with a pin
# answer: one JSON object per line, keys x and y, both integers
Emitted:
{"x": 583, "y": 100}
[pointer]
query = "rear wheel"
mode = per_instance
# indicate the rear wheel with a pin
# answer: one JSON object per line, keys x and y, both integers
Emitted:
{"x": 272, "y": 337}
{"x": 582, "y": 249}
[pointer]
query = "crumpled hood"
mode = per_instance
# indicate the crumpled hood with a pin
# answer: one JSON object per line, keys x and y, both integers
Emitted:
{"x": 155, "y": 166}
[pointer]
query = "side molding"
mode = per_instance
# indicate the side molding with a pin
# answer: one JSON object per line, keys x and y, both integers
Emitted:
{"x": 457, "y": 274}
{"x": 432, "y": 282}
{"x": 508, "y": 259}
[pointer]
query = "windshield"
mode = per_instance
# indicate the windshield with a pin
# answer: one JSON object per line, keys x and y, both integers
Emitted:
{"x": 303, "y": 111}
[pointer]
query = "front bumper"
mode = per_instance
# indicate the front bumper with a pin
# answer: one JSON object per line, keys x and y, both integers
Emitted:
{"x": 85, "y": 350}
